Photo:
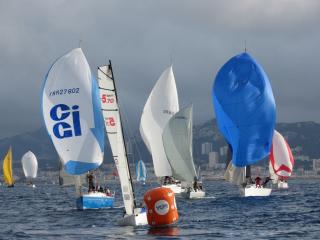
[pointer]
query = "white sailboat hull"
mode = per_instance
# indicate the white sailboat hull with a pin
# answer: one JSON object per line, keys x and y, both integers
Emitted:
{"x": 137, "y": 219}
{"x": 176, "y": 188}
{"x": 283, "y": 185}
{"x": 194, "y": 194}
{"x": 253, "y": 191}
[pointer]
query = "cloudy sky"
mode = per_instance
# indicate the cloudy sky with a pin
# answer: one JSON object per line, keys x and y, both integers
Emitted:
{"x": 143, "y": 37}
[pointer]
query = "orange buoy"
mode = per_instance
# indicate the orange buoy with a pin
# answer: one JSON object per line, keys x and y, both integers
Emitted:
{"x": 161, "y": 206}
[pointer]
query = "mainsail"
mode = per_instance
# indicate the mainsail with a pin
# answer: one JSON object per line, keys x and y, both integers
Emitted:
{"x": 113, "y": 125}
{"x": 177, "y": 142}
{"x": 281, "y": 158}
{"x": 161, "y": 105}
{"x": 72, "y": 113}
{"x": 245, "y": 109}
{"x": 29, "y": 165}
{"x": 141, "y": 171}
{"x": 7, "y": 168}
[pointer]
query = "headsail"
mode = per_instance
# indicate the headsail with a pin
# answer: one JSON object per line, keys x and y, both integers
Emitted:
{"x": 162, "y": 103}
{"x": 7, "y": 168}
{"x": 177, "y": 142}
{"x": 71, "y": 111}
{"x": 245, "y": 109}
{"x": 113, "y": 125}
{"x": 281, "y": 158}
{"x": 66, "y": 179}
{"x": 29, "y": 165}
{"x": 141, "y": 171}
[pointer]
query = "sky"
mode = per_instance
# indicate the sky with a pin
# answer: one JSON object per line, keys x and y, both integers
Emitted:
{"x": 142, "y": 38}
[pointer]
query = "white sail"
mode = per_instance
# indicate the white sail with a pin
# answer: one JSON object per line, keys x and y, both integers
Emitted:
{"x": 112, "y": 120}
{"x": 235, "y": 175}
{"x": 159, "y": 108}
{"x": 273, "y": 175}
{"x": 281, "y": 157}
{"x": 177, "y": 142}
{"x": 29, "y": 165}
{"x": 141, "y": 171}
{"x": 72, "y": 113}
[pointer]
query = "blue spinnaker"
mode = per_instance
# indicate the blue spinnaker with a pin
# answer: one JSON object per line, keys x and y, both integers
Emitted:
{"x": 245, "y": 109}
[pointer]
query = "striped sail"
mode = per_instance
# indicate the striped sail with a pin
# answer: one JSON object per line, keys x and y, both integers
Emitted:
{"x": 141, "y": 171}
{"x": 161, "y": 105}
{"x": 281, "y": 158}
{"x": 72, "y": 113}
{"x": 113, "y": 126}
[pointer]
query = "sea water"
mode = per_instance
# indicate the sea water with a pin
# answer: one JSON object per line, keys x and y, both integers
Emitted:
{"x": 48, "y": 212}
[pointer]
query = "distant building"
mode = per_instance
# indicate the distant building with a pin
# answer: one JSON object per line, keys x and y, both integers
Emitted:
{"x": 316, "y": 164}
{"x": 223, "y": 151}
{"x": 206, "y": 148}
{"x": 213, "y": 159}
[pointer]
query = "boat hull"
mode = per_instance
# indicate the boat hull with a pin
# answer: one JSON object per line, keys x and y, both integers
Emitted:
{"x": 253, "y": 191}
{"x": 176, "y": 188}
{"x": 95, "y": 200}
{"x": 139, "y": 218}
{"x": 194, "y": 194}
{"x": 283, "y": 185}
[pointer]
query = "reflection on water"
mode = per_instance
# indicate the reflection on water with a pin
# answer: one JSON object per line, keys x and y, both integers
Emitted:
{"x": 164, "y": 231}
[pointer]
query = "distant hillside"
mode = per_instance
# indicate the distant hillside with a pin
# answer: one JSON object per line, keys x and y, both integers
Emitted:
{"x": 303, "y": 137}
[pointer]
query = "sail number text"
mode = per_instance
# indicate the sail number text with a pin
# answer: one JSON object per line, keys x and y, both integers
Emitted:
{"x": 64, "y": 91}
{"x": 107, "y": 98}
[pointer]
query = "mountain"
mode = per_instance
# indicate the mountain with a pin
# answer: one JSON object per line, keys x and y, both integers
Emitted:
{"x": 303, "y": 138}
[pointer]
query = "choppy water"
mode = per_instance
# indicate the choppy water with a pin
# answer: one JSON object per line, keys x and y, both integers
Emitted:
{"x": 48, "y": 212}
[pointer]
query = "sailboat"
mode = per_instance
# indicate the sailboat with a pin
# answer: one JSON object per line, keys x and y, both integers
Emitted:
{"x": 7, "y": 169}
{"x": 134, "y": 215}
{"x": 30, "y": 167}
{"x": 177, "y": 141}
{"x": 141, "y": 172}
{"x": 72, "y": 115}
{"x": 281, "y": 161}
{"x": 161, "y": 105}
{"x": 245, "y": 112}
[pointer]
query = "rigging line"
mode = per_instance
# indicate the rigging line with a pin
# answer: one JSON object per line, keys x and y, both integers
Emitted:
{"x": 129, "y": 132}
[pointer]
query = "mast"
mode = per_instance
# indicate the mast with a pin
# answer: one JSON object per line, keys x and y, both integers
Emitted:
{"x": 125, "y": 147}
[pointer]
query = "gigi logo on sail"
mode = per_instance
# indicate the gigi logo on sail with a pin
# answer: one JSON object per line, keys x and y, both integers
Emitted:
{"x": 60, "y": 113}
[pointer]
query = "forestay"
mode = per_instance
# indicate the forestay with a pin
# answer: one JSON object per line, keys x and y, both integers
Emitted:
{"x": 29, "y": 165}
{"x": 245, "y": 109}
{"x": 71, "y": 111}
{"x": 162, "y": 103}
{"x": 113, "y": 125}
{"x": 281, "y": 158}
{"x": 177, "y": 142}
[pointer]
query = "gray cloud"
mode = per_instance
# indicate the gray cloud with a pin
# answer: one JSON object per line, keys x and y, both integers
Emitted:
{"x": 142, "y": 36}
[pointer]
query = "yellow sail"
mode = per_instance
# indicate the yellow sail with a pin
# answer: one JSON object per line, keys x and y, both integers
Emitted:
{"x": 7, "y": 168}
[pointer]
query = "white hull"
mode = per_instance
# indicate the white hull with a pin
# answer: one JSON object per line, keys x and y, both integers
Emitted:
{"x": 253, "y": 191}
{"x": 283, "y": 185}
{"x": 137, "y": 219}
{"x": 194, "y": 194}
{"x": 176, "y": 188}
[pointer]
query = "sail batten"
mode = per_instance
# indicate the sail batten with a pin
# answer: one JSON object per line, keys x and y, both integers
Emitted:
{"x": 161, "y": 105}
{"x": 113, "y": 127}
{"x": 177, "y": 140}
